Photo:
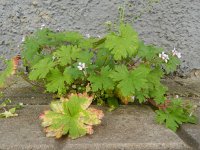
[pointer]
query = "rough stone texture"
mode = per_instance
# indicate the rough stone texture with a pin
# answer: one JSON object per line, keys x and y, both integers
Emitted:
{"x": 192, "y": 132}
{"x": 21, "y": 91}
{"x": 170, "y": 23}
{"x": 189, "y": 89}
{"x": 129, "y": 127}
{"x": 132, "y": 127}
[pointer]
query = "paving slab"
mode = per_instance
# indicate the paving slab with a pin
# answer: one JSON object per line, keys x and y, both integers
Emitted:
{"x": 129, "y": 127}
{"x": 188, "y": 89}
{"x": 190, "y": 132}
{"x": 122, "y": 129}
{"x": 21, "y": 91}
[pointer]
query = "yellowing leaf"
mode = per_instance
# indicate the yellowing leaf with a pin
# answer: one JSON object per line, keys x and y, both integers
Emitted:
{"x": 10, "y": 70}
{"x": 71, "y": 116}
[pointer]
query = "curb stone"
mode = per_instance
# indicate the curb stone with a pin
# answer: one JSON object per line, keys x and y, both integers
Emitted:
{"x": 188, "y": 89}
{"x": 190, "y": 133}
{"x": 128, "y": 127}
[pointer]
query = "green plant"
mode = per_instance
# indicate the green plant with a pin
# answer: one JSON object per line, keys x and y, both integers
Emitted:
{"x": 176, "y": 113}
{"x": 71, "y": 116}
{"x": 117, "y": 68}
{"x": 10, "y": 70}
{"x": 8, "y": 112}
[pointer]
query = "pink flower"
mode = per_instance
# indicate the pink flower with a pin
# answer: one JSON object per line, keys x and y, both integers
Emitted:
{"x": 42, "y": 26}
{"x": 87, "y": 35}
{"x": 164, "y": 57}
{"x": 81, "y": 66}
{"x": 176, "y": 53}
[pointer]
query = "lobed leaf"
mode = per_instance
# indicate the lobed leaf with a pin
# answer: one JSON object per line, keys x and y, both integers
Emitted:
{"x": 57, "y": 79}
{"x": 175, "y": 115}
{"x": 66, "y": 54}
{"x": 41, "y": 69}
{"x": 124, "y": 44}
{"x": 172, "y": 64}
{"x": 101, "y": 81}
{"x": 130, "y": 81}
{"x": 71, "y": 116}
{"x": 148, "y": 52}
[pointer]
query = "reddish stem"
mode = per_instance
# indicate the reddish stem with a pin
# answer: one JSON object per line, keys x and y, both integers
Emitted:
{"x": 15, "y": 63}
{"x": 160, "y": 106}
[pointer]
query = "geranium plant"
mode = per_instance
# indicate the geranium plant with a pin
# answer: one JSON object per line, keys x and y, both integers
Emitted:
{"x": 71, "y": 116}
{"x": 115, "y": 69}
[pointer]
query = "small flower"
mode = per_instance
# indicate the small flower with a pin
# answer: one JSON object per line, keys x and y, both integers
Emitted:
{"x": 53, "y": 58}
{"x": 23, "y": 39}
{"x": 58, "y": 30}
{"x": 42, "y": 26}
{"x": 21, "y": 104}
{"x": 87, "y": 35}
{"x": 179, "y": 55}
{"x": 98, "y": 36}
{"x": 133, "y": 98}
{"x": 81, "y": 66}
{"x": 176, "y": 53}
{"x": 164, "y": 57}
{"x": 177, "y": 96}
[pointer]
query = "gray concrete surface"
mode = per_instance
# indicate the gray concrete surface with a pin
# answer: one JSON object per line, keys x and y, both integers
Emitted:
{"x": 188, "y": 89}
{"x": 191, "y": 132}
{"x": 129, "y": 127}
{"x": 21, "y": 91}
{"x": 170, "y": 23}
